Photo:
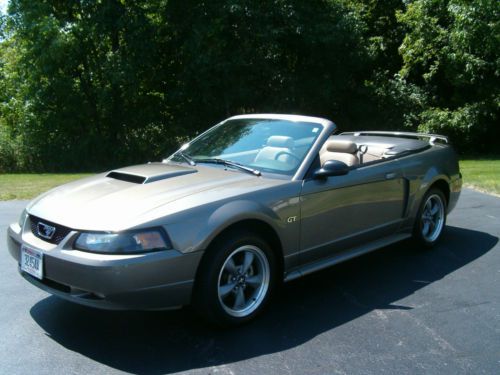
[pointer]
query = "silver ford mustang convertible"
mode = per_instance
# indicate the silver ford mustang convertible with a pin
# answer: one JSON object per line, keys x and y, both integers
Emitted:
{"x": 254, "y": 201}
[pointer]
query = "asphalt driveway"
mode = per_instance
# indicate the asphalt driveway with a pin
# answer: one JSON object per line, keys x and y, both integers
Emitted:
{"x": 398, "y": 311}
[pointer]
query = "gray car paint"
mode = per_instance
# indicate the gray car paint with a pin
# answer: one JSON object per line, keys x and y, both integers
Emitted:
{"x": 318, "y": 223}
{"x": 355, "y": 208}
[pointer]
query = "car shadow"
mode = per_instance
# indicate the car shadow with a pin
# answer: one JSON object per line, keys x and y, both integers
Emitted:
{"x": 166, "y": 342}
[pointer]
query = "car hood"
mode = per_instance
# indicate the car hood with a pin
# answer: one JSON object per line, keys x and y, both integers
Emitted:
{"x": 120, "y": 199}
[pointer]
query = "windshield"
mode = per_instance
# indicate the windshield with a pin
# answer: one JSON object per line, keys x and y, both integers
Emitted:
{"x": 274, "y": 146}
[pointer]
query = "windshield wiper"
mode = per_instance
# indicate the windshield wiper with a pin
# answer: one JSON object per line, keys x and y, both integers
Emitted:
{"x": 186, "y": 157}
{"x": 230, "y": 163}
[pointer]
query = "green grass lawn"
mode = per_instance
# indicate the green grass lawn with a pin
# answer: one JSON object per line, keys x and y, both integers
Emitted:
{"x": 27, "y": 186}
{"x": 482, "y": 174}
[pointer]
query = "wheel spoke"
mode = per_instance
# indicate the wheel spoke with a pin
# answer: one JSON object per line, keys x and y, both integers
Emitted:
{"x": 427, "y": 208}
{"x": 230, "y": 266}
{"x": 224, "y": 290}
{"x": 432, "y": 224}
{"x": 254, "y": 281}
{"x": 435, "y": 209}
{"x": 239, "y": 301}
{"x": 425, "y": 229}
{"x": 247, "y": 262}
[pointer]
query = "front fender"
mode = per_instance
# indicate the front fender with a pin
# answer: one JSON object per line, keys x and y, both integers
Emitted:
{"x": 197, "y": 230}
{"x": 237, "y": 211}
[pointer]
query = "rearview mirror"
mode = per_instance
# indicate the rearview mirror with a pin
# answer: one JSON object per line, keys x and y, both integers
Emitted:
{"x": 331, "y": 168}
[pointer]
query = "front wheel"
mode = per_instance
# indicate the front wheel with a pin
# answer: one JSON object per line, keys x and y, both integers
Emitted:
{"x": 431, "y": 218}
{"x": 236, "y": 279}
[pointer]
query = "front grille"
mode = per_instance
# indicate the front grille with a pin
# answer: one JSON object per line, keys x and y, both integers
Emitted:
{"x": 59, "y": 234}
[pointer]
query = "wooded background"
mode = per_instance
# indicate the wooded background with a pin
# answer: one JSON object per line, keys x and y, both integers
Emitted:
{"x": 88, "y": 85}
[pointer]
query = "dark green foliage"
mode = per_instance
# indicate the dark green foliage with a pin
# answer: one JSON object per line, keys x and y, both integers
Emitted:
{"x": 242, "y": 56}
{"x": 451, "y": 54}
{"x": 90, "y": 74}
{"x": 87, "y": 85}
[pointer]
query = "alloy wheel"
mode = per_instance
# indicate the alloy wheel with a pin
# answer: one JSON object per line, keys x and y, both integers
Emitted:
{"x": 243, "y": 281}
{"x": 432, "y": 219}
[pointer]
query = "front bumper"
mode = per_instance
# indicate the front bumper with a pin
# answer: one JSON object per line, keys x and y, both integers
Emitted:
{"x": 150, "y": 281}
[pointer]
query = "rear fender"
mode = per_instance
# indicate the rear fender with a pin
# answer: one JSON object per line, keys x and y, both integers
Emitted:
{"x": 432, "y": 175}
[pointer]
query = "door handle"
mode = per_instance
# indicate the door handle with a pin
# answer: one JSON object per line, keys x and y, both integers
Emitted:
{"x": 390, "y": 176}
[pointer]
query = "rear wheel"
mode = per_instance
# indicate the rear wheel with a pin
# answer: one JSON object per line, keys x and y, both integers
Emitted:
{"x": 236, "y": 279}
{"x": 431, "y": 218}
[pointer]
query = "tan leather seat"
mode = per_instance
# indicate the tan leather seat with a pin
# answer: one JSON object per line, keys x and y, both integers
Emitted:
{"x": 373, "y": 154}
{"x": 341, "y": 150}
{"x": 276, "y": 148}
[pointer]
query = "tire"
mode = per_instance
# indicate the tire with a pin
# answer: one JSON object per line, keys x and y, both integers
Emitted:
{"x": 431, "y": 219}
{"x": 236, "y": 279}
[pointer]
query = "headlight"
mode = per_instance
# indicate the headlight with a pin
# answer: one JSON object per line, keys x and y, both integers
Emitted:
{"x": 23, "y": 218}
{"x": 124, "y": 242}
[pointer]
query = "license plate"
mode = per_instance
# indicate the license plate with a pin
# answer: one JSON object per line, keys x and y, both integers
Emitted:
{"x": 32, "y": 261}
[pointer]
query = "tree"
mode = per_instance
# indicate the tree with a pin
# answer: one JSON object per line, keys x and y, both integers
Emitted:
{"x": 90, "y": 75}
{"x": 451, "y": 54}
{"x": 232, "y": 57}
{"x": 88, "y": 85}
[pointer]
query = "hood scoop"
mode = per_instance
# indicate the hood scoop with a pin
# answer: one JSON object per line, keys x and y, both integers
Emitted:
{"x": 135, "y": 179}
{"x": 147, "y": 173}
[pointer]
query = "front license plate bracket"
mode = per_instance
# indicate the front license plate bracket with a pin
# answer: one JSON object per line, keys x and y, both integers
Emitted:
{"x": 31, "y": 261}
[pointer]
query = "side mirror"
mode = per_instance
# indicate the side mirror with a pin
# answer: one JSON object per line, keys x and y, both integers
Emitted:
{"x": 331, "y": 168}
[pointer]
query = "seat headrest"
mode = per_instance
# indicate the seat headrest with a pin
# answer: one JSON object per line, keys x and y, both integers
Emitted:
{"x": 341, "y": 145}
{"x": 280, "y": 141}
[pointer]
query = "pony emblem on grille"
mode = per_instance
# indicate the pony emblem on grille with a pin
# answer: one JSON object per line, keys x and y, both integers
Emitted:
{"x": 45, "y": 230}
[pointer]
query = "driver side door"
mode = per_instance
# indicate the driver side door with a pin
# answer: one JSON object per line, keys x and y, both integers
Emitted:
{"x": 341, "y": 212}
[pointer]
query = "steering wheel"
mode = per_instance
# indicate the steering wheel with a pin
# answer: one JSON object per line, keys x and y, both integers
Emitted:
{"x": 295, "y": 157}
